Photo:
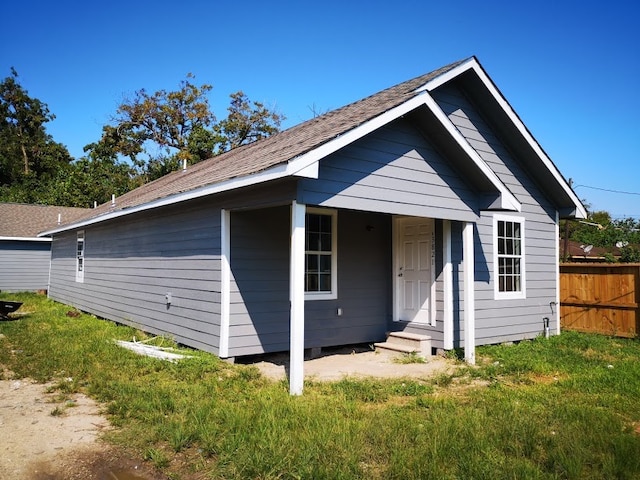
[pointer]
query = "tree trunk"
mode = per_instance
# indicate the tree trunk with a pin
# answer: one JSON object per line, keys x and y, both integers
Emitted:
{"x": 26, "y": 158}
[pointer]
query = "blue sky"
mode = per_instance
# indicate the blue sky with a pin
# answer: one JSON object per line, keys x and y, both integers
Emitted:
{"x": 570, "y": 69}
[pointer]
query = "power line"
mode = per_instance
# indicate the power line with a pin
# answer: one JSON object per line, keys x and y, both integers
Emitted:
{"x": 624, "y": 216}
{"x": 608, "y": 190}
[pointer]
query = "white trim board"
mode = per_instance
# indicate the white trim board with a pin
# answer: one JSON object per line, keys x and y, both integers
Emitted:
{"x": 279, "y": 171}
{"x": 473, "y": 64}
{"x": 306, "y": 165}
{"x": 225, "y": 282}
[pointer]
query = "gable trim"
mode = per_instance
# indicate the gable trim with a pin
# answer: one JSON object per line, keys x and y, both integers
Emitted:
{"x": 507, "y": 200}
{"x": 473, "y": 64}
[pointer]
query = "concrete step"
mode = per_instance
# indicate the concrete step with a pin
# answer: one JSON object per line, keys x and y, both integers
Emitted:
{"x": 394, "y": 348}
{"x": 404, "y": 342}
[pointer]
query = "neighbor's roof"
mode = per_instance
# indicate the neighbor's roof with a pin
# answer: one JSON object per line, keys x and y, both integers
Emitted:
{"x": 274, "y": 150}
{"x": 21, "y": 220}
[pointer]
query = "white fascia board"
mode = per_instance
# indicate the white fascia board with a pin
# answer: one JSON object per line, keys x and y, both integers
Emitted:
{"x": 448, "y": 76}
{"x": 26, "y": 239}
{"x": 306, "y": 160}
{"x": 273, "y": 173}
{"x": 472, "y": 64}
{"x": 507, "y": 200}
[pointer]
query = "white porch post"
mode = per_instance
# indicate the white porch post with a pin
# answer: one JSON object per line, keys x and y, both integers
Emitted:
{"x": 447, "y": 277}
{"x": 469, "y": 294}
{"x": 296, "y": 297}
{"x": 225, "y": 281}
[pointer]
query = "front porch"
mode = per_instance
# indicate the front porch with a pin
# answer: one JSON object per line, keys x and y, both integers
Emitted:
{"x": 353, "y": 285}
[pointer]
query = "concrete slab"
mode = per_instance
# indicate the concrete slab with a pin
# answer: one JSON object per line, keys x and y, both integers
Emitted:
{"x": 352, "y": 361}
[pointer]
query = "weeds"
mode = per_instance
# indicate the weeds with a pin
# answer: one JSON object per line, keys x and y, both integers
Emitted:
{"x": 57, "y": 412}
{"x": 564, "y": 407}
{"x": 411, "y": 357}
{"x": 157, "y": 457}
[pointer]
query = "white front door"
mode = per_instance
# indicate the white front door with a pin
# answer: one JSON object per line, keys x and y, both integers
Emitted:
{"x": 414, "y": 270}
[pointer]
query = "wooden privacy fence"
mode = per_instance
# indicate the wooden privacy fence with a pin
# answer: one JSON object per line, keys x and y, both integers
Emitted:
{"x": 600, "y": 298}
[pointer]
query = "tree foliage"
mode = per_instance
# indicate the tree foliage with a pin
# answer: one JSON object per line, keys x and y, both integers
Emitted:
{"x": 159, "y": 131}
{"x": 247, "y": 122}
{"x": 29, "y": 157}
{"x": 150, "y": 135}
{"x": 600, "y": 230}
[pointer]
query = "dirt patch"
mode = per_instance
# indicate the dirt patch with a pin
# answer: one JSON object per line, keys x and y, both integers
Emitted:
{"x": 46, "y": 437}
{"x": 354, "y": 362}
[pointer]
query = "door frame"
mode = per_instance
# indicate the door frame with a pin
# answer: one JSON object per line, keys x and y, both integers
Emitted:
{"x": 396, "y": 254}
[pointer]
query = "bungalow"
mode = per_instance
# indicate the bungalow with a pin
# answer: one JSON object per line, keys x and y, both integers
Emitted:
{"x": 25, "y": 257}
{"x": 426, "y": 208}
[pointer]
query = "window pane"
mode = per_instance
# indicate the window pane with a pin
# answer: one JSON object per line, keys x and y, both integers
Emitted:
{"x": 516, "y": 230}
{"x": 325, "y": 223}
{"x": 325, "y": 282}
{"x": 311, "y": 284}
{"x": 325, "y": 242}
{"x": 509, "y": 256}
{"x": 312, "y": 263}
{"x": 319, "y": 253}
{"x": 325, "y": 263}
{"x": 313, "y": 241}
{"x": 509, "y": 284}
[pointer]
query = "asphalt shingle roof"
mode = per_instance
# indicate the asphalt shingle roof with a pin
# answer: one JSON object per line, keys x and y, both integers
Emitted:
{"x": 24, "y": 220}
{"x": 274, "y": 150}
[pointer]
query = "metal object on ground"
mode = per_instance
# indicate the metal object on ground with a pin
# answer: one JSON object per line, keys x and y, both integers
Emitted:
{"x": 8, "y": 307}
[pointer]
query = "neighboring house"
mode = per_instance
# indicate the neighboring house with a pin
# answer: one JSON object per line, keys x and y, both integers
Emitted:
{"x": 25, "y": 257}
{"x": 579, "y": 252}
{"x": 427, "y": 207}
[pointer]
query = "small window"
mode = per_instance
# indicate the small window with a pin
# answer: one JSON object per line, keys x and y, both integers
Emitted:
{"x": 80, "y": 256}
{"x": 509, "y": 271}
{"x": 320, "y": 255}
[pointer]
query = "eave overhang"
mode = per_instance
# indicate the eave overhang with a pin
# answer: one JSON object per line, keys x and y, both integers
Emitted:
{"x": 475, "y": 82}
{"x": 424, "y": 106}
{"x": 493, "y": 193}
{"x": 25, "y": 239}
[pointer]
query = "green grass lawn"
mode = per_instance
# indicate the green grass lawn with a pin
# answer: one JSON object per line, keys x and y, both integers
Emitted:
{"x": 567, "y": 407}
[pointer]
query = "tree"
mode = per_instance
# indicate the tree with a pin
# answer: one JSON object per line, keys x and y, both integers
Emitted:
{"x": 28, "y": 155}
{"x": 90, "y": 180}
{"x": 246, "y": 123}
{"x": 157, "y": 132}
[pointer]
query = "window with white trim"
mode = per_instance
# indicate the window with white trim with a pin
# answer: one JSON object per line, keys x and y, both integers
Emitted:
{"x": 80, "y": 256}
{"x": 509, "y": 258}
{"x": 320, "y": 270}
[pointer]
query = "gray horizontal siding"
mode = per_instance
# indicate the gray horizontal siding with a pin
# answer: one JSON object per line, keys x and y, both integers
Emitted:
{"x": 259, "y": 307}
{"x": 506, "y": 320}
{"x": 394, "y": 170}
{"x": 260, "y": 287}
{"x": 132, "y": 263}
{"x": 364, "y": 285}
{"x": 24, "y": 265}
